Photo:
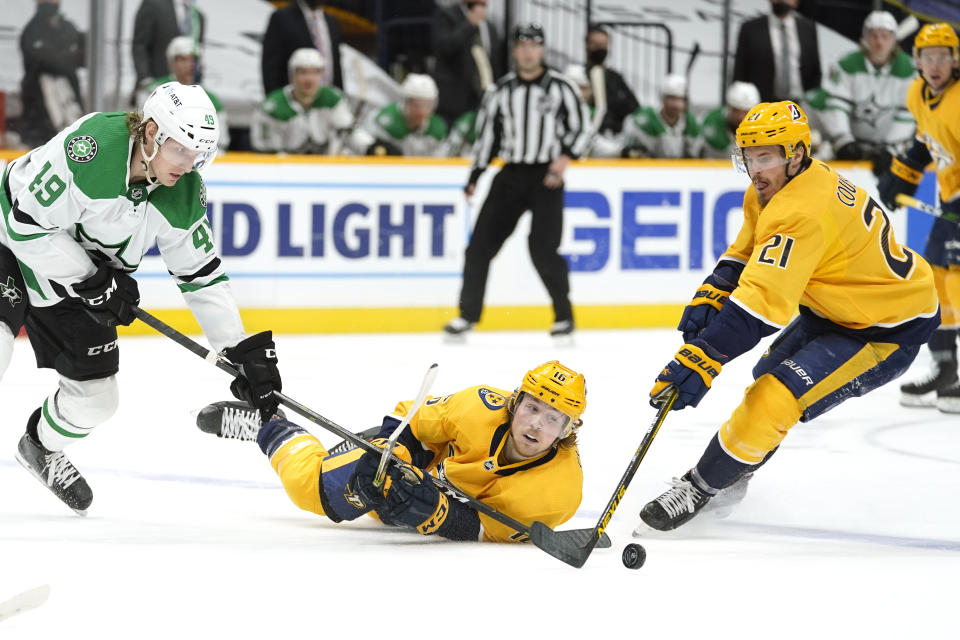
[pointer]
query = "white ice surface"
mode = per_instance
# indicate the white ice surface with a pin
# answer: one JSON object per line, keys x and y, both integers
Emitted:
{"x": 851, "y": 531}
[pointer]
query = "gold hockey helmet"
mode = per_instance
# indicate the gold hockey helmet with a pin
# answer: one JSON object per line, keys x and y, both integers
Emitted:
{"x": 940, "y": 34}
{"x": 775, "y": 123}
{"x": 558, "y": 386}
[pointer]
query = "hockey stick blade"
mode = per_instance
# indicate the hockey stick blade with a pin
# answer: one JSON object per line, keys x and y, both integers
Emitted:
{"x": 573, "y": 546}
{"x": 24, "y": 602}
{"x": 381, "y": 474}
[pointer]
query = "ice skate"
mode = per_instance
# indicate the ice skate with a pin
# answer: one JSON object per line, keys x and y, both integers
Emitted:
{"x": 562, "y": 333}
{"x": 722, "y": 504}
{"x": 676, "y": 506}
{"x": 923, "y": 392}
{"x": 231, "y": 419}
{"x": 455, "y": 332}
{"x": 948, "y": 400}
{"x": 54, "y": 470}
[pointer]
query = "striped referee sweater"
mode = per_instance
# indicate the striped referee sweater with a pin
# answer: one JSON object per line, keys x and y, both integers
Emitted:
{"x": 530, "y": 121}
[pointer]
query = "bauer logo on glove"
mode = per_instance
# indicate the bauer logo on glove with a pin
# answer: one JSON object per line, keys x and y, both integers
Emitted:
{"x": 693, "y": 358}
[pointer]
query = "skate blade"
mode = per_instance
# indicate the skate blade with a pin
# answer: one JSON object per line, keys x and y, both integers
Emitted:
{"x": 449, "y": 338}
{"x": 925, "y": 400}
{"x": 26, "y": 465}
{"x": 949, "y": 406}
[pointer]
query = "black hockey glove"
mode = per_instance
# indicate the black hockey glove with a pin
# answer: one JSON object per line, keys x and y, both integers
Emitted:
{"x": 256, "y": 356}
{"x": 902, "y": 177}
{"x": 851, "y": 151}
{"x": 109, "y": 296}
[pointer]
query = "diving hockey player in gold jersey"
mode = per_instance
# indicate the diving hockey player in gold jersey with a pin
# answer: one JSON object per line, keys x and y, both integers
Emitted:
{"x": 516, "y": 452}
{"x": 810, "y": 238}
{"x": 934, "y": 100}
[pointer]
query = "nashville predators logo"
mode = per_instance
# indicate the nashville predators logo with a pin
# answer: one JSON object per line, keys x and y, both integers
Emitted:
{"x": 492, "y": 399}
{"x": 82, "y": 148}
{"x": 10, "y": 291}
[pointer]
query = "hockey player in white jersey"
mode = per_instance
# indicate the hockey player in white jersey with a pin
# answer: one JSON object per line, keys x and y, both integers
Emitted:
{"x": 862, "y": 104}
{"x": 79, "y": 214}
{"x": 669, "y": 132}
{"x": 305, "y": 116}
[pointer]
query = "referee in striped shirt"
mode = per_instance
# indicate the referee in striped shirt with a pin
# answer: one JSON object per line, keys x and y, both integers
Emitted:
{"x": 536, "y": 121}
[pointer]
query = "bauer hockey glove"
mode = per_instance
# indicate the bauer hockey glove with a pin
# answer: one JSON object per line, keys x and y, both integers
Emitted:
{"x": 256, "y": 356}
{"x": 707, "y": 303}
{"x": 691, "y": 372}
{"x": 109, "y": 296}
{"x": 903, "y": 177}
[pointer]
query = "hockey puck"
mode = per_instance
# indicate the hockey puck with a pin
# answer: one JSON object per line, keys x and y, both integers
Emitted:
{"x": 634, "y": 555}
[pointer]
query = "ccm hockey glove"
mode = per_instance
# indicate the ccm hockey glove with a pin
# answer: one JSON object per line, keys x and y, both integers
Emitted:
{"x": 414, "y": 501}
{"x": 691, "y": 372}
{"x": 109, "y": 296}
{"x": 256, "y": 356}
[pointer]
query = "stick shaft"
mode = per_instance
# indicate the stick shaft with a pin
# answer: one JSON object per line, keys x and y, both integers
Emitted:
{"x": 379, "y": 479}
{"x": 316, "y": 418}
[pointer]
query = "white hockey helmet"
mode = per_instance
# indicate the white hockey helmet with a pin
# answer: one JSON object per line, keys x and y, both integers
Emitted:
{"x": 179, "y": 46}
{"x": 743, "y": 96}
{"x": 305, "y": 58}
{"x": 419, "y": 86}
{"x": 184, "y": 113}
{"x": 577, "y": 74}
{"x": 674, "y": 85}
{"x": 880, "y": 20}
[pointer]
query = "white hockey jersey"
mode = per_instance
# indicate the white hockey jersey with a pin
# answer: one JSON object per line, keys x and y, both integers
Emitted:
{"x": 68, "y": 206}
{"x": 283, "y": 125}
{"x": 865, "y": 103}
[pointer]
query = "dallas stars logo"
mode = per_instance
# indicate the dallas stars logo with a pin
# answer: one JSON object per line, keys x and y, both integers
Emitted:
{"x": 82, "y": 148}
{"x": 9, "y": 291}
{"x": 104, "y": 251}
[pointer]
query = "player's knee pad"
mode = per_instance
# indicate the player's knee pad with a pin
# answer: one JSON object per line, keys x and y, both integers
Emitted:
{"x": 335, "y": 480}
{"x": 761, "y": 421}
{"x": 75, "y": 408}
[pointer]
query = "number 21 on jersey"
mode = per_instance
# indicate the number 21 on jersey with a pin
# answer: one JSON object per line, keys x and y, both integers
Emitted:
{"x": 777, "y": 251}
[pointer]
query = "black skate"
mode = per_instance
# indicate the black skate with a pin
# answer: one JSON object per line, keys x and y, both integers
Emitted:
{"x": 924, "y": 392}
{"x": 232, "y": 419}
{"x": 948, "y": 400}
{"x": 676, "y": 506}
{"x": 53, "y": 469}
{"x": 456, "y": 330}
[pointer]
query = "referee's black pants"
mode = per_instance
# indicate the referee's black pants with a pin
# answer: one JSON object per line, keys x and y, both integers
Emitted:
{"x": 516, "y": 189}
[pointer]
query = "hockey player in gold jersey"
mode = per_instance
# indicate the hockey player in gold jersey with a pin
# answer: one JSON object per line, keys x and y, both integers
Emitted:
{"x": 516, "y": 452}
{"x": 934, "y": 100}
{"x": 810, "y": 238}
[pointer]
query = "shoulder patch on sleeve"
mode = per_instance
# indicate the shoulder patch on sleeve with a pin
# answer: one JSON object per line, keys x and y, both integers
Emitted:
{"x": 493, "y": 400}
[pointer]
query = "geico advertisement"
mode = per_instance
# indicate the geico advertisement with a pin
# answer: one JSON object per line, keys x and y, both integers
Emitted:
{"x": 370, "y": 235}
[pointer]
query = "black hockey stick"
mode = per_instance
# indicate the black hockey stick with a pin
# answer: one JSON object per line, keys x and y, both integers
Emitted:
{"x": 225, "y": 365}
{"x": 574, "y": 547}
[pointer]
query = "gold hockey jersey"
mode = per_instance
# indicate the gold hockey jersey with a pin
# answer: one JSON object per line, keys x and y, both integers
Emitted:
{"x": 938, "y": 127}
{"x": 467, "y": 432}
{"x": 824, "y": 243}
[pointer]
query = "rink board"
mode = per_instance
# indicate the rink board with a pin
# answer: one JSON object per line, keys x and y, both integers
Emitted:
{"x": 354, "y": 244}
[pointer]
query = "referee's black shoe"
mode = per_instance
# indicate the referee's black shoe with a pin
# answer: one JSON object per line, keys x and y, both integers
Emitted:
{"x": 457, "y": 330}
{"x": 562, "y": 332}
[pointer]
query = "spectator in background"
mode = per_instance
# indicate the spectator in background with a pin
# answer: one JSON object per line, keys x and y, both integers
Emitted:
{"x": 862, "y": 105}
{"x": 617, "y": 96}
{"x": 157, "y": 23}
{"x": 603, "y": 144}
{"x": 307, "y": 116}
{"x": 52, "y": 51}
{"x": 462, "y": 135}
{"x": 671, "y": 132}
{"x": 720, "y": 125}
{"x": 410, "y": 128}
{"x": 183, "y": 64}
{"x": 468, "y": 57}
{"x": 779, "y": 53}
{"x": 300, "y": 24}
